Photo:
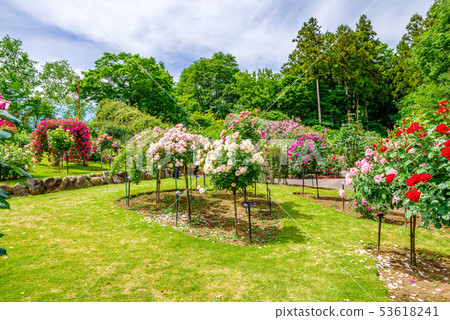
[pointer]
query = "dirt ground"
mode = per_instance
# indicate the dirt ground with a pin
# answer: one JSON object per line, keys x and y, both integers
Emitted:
{"x": 212, "y": 215}
{"x": 429, "y": 281}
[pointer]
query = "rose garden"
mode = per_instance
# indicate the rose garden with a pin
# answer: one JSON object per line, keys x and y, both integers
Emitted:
{"x": 233, "y": 192}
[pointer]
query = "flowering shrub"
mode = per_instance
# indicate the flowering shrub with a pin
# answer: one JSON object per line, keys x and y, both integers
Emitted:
{"x": 306, "y": 152}
{"x": 60, "y": 140}
{"x": 233, "y": 162}
{"x": 286, "y": 129}
{"x": 135, "y": 154}
{"x": 14, "y": 156}
{"x": 373, "y": 181}
{"x": 176, "y": 147}
{"x": 351, "y": 140}
{"x": 412, "y": 169}
{"x": 246, "y": 125}
{"x": 78, "y": 152}
{"x": 332, "y": 165}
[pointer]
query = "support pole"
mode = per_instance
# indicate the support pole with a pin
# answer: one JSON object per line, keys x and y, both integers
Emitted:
{"x": 235, "y": 211}
{"x": 380, "y": 216}
{"x": 187, "y": 191}
{"x": 303, "y": 178}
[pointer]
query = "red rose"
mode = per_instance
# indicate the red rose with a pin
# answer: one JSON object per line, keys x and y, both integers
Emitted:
{"x": 446, "y": 152}
{"x": 413, "y": 195}
{"x": 383, "y": 149}
{"x": 447, "y": 143}
{"x": 414, "y": 127}
{"x": 425, "y": 177}
{"x": 389, "y": 178}
{"x": 442, "y": 128}
{"x": 413, "y": 180}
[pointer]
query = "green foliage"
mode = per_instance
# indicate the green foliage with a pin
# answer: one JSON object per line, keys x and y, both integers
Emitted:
{"x": 205, "y": 124}
{"x": 140, "y": 82}
{"x": 206, "y": 80}
{"x": 13, "y": 156}
{"x": 19, "y": 76}
{"x": 351, "y": 139}
{"x": 121, "y": 121}
{"x": 35, "y": 110}
{"x": 60, "y": 140}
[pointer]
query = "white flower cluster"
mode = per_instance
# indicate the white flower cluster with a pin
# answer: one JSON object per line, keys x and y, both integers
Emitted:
{"x": 226, "y": 149}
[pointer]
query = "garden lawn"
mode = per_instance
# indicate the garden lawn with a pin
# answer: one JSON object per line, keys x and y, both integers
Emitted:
{"x": 44, "y": 170}
{"x": 79, "y": 246}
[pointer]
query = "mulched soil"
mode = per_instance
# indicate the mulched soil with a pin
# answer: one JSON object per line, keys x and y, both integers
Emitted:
{"x": 429, "y": 281}
{"x": 212, "y": 215}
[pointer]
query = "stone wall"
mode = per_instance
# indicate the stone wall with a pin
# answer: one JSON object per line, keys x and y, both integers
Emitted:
{"x": 55, "y": 184}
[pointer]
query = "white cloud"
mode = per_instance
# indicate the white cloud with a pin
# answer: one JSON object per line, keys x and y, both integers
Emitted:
{"x": 258, "y": 33}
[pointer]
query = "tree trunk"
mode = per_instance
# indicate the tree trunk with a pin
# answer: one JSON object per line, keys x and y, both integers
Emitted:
{"x": 346, "y": 88}
{"x": 235, "y": 211}
{"x": 357, "y": 109}
{"x": 187, "y": 191}
{"x": 59, "y": 162}
{"x": 366, "y": 114}
{"x": 157, "y": 185}
{"x": 413, "y": 240}
{"x": 318, "y": 101}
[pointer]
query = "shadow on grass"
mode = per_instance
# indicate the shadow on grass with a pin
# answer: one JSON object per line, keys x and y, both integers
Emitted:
{"x": 1, "y": 235}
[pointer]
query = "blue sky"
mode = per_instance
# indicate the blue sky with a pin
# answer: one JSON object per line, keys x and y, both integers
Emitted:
{"x": 258, "y": 33}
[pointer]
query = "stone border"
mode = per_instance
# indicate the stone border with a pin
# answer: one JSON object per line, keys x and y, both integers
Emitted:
{"x": 55, "y": 184}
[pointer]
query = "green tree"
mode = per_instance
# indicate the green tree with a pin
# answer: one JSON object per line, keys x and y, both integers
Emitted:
{"x": 59, "y": 88}
{"x": 309, "y": 56}
{"x": 19, "y": 75}
{"x": 406, "y": 74}
{"x": 35, "y": 110}
{"x": 207, "y": 79}
{"x": 140, "y": 82}
{"x": 256, "y": 90}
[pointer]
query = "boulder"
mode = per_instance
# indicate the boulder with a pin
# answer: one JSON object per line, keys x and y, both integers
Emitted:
{"x": 19, "y": 190}
{"x": 7, "y": 188}
{"x": 117, "y": 179}
{"x": 52, "y": 184}
{"x": 121, "y": 174}
{"x": 82, "y": 182}
{"x": 97, "y": 181}
{"x": 108, "y": 180}
{"x": 36, "y": 186}
{"x": 66, "y": 184}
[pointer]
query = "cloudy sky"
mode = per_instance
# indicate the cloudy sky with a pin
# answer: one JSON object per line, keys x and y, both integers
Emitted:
{"x": 258, "y": 33}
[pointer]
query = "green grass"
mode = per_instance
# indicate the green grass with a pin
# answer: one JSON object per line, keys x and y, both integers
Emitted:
{"x": 44, "y": 170}
{"x": 59, "y": 246}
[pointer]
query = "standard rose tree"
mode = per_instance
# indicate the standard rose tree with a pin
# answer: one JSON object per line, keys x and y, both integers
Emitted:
{"x": 233, "y": 163}
{"x": 411, "y": 170}
{"x": 175, "y": 149}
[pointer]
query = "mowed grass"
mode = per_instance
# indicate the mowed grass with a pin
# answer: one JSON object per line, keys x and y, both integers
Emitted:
{"x": 79, "y": 246}
{"x": 44, "y": 170}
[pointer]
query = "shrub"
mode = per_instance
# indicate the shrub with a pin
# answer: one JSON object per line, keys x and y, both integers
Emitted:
{"x": 79, "y": 152}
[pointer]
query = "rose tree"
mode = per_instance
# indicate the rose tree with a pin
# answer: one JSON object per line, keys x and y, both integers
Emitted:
{"x": 176, "y": 148}
{"x": 234, "y": 163}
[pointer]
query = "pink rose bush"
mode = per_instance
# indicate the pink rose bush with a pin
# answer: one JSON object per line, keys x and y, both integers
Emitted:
{"x": 176, "y": 147}
{"x": 79, "y": 152}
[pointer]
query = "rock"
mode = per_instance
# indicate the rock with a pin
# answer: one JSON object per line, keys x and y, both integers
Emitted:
{"x": 36, "y": 186}
{"x": 52, "y": 184}
{"x": 7, "y": 188}
{"x": 82, "y": 182}
{"x": 121, "y": 174}
{"x": 117, "y": 179}
{"x": 108, "y": 180}
{"x": 19, "y": 190}
{"x": 66, "y": 184}
{"x": 97, "y": 181}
